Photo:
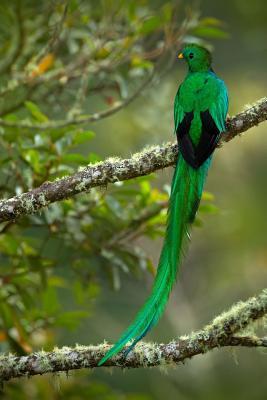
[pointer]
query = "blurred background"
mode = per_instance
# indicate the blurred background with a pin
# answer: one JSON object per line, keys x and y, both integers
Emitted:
{"x": 64, "y": 280}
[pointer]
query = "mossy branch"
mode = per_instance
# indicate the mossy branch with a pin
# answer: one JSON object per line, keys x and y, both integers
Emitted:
{"x": 223, "y": 331}
{"x": 115, "y": 169}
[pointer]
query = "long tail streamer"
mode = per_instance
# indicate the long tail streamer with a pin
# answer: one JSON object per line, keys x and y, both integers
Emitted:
{"x": 186, "y": 191}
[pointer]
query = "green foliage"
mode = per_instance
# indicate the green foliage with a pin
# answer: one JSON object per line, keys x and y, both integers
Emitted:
{"x": 210, "y": 28}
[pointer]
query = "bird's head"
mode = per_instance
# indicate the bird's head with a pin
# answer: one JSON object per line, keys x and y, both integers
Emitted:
{"x": 197, "y": 57}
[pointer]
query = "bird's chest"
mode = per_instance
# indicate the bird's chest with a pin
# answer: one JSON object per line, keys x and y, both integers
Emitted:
{"x": 196, "y": 92}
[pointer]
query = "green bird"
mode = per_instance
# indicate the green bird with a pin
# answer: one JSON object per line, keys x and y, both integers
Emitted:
{"x": 200, "y": 110}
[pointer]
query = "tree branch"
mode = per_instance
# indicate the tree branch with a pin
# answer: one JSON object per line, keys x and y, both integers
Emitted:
{"x": 221, "y": 332}
{"x": 115, "y": 169}
{"x": 79, "y": 120}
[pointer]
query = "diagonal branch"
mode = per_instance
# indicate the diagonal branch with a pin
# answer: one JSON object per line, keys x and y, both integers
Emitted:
{"x": 79, "y": 120}
{"x": 221, "y": 332}
{"x": 112, "y": 170}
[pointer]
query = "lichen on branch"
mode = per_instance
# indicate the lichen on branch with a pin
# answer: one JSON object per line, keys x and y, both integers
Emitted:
{"x": 223, "y": 331}
{"x": 114, "y": 169}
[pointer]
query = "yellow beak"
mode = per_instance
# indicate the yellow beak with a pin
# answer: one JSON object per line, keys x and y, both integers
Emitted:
{"x": 180, "y": 55}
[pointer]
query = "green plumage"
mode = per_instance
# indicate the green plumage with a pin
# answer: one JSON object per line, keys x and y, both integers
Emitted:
{"x": 200, "y": 109}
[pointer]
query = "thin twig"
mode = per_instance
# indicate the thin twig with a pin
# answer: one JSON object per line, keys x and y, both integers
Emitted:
{"x": 81, "y": 119}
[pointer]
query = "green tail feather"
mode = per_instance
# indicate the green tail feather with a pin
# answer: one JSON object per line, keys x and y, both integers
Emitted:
{"x": 186, "y": 191}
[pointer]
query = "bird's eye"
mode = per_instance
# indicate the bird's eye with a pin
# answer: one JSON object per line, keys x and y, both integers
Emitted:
{"x": 191, "y": 55}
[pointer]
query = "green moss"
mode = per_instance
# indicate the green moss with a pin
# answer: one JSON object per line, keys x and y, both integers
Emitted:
{"x": 27, "y": 204}
{"x": 43, "y": 363}
{"x": 8, "y": 363}
{"x": 83, "y": 185}
{"x": 42, "y": 200}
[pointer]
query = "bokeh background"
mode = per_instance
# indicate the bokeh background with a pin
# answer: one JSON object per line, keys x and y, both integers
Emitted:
{"x": 227, "y": 259}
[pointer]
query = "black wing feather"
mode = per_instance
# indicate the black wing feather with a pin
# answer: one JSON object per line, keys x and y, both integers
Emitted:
{"x": 209, "y": 138}
{"x": 186, "y": 146}
{"x": 197, "y": 155}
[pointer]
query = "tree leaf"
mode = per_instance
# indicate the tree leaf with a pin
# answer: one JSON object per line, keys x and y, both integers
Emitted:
{"x": 150, "y": 24}
{"x": 210, "y": 32}
{"x": 35, "y": 111}
{"x": 81, "y": 137}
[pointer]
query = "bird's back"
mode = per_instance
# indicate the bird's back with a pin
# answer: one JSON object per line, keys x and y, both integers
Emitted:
{"x": 199, "y": 92}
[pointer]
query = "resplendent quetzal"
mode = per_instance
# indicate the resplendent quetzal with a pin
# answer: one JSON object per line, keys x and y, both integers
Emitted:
{"x": 200, "y": 109}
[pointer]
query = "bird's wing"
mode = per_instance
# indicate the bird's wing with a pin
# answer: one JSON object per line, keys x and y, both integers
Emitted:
{"x": 219, "y": 107}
